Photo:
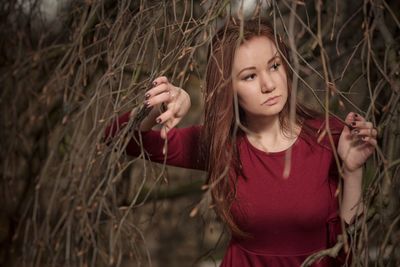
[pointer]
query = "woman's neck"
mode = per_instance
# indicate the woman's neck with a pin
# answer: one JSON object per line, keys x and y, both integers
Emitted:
{"x": 264, "y": 126}
{"x": 267, "y": 134}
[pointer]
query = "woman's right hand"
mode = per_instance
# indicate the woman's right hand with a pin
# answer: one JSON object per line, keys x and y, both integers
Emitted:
{"x": 174, "y": 99}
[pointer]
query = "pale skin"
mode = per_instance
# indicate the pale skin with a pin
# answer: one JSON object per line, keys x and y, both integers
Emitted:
{"x": 260, "y": 81}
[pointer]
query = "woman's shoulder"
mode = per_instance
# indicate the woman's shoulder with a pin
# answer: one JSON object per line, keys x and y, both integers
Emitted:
{"x": 320, "y": 124}
{"x": 319, "y": 129}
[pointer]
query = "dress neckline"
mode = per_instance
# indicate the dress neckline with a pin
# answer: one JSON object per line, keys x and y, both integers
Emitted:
{"x": 274, "y": 153}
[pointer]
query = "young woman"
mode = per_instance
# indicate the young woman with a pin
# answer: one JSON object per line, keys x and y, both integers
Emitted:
{"x": 279, "y": 211}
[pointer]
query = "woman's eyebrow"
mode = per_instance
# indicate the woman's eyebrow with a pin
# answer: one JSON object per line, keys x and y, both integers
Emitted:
{"x": 248, "y": 68}
{"x": 276, "y": 55}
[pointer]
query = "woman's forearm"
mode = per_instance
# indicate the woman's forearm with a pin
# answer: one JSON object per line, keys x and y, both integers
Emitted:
{"x": 149, "y": 121}
{"x": 352, "y": 194}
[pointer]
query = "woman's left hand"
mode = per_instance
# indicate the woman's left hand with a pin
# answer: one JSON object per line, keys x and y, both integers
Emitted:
{"x": 358, "y": 143}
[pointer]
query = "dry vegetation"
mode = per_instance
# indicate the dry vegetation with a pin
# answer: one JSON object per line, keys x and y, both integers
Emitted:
{"x": 70, "y": 200}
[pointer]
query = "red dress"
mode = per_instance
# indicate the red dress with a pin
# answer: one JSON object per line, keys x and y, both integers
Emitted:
{"x": 288, "y": 218}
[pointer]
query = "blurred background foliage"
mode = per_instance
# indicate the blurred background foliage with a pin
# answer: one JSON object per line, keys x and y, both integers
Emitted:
{"x": 68, "y": 68}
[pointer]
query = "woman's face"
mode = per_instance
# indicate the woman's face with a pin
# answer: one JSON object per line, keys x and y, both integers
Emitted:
{"x": 259, "y": 78}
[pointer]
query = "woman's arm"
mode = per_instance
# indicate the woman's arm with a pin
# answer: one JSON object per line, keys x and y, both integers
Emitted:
{"x": 352, "y": 204}
{"x": 177, "y": 147}
{"x": 356, "y": 144}
{"x": 175, "y": 100}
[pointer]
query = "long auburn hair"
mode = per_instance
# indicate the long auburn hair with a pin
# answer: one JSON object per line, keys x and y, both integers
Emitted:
{"x": 220, "y": 124}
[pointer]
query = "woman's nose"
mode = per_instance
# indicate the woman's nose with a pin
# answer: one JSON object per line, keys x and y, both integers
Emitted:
{"x": 267, "y": 83}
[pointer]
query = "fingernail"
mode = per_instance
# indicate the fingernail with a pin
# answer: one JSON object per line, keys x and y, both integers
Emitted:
{"x": 364, "y": 138}
{"x": 154, "y": 83}
{"x": 147, "y": 96}
{"x": 158, "y": 120}
{"x": 356, "y": 131}
{"x": 147, "y": 103}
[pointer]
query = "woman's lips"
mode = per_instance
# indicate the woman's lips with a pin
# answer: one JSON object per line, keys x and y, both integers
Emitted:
{"x": 271, "y": 101}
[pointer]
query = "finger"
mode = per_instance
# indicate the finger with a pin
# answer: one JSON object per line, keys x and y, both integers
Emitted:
{"x": 362, "y": 124}
{"x": 158, "y": 99}
{"x": 370, "y": 140}
{"x": 349, "y": 118}
{"x": 175, "y": 92}
{"x": 349, "y": 121}
{"x": 174, "y": 122}
{"x": 161, "y": 88}
{"x": 365, "y": 132}
{"x": 164, "y": 117}
{"x": 164, "y": 132}
{"x": 358, "y": 117}
{"x": 160, "y": 80}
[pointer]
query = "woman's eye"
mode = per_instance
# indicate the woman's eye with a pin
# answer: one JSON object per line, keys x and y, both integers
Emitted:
{"x": 249, "y": 77}
{"x": 275, "y": 66}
